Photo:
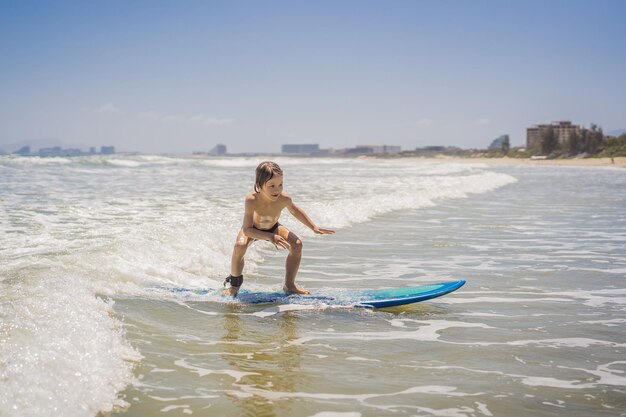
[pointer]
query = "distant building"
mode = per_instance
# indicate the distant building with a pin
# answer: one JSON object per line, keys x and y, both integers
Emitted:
{"x": 382, "y": 148}
{"x": 563, "y": 130}
{"x": 431, "y": 149}
{"x": 359, "y": 150}
{"x": 218, "y": 149}
{"x": 53, "y": 151}
{"x": 71, "y": 152}
{"x": 501, "y": 144}
{"x": 58, "y": 151}
{"x": 371, "y": 149}
{"x": 301, "y": 149}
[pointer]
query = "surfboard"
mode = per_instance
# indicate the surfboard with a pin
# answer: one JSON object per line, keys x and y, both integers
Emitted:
{"x": 407, "y": 295}
{"x": 373, "y": 298}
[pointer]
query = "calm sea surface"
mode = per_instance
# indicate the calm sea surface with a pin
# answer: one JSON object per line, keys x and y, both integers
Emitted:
{"x": 89, "y": 245}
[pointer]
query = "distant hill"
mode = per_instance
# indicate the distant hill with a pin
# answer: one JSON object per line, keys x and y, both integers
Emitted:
{"x": 616, "y": 132}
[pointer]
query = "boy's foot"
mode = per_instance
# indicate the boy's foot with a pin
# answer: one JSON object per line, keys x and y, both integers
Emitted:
{"x": 295, "y": 290}
{"x": 232, "y": 291}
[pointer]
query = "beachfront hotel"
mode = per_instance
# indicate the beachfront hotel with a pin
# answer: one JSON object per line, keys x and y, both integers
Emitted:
{"x": 563, "y": 130}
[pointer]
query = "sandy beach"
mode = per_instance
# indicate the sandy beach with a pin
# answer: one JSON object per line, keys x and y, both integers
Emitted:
{"x": 618, "y": 162}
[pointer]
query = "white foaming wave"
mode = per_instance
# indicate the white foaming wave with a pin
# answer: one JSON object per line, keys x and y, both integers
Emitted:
{"x": 605, "y": 374}
{"x": 127, "y": 163}
{"x": 434, "y": 168}
{"x": 283, "y": 161}
{"x": 160, "y": 159}
{"x": 131, "y": 244}
{"x": 596, "y": 298}
{"x": 591, "y": 298}
{"x": 191, "y": 254}
{"x": 237, "y": 375}
{"x": 141, "y": 249}
{"x": 608, "y": 323}
{"x": 63, "y": 350}
{"x": 429, "y": 332}
{"x": 231, "y": 162}
{"x": 485, "y": 300}
{"x": 122, "y": 160}
{"x": 361, "y": 359}
{"x": 128, "y": 255}
{"x": 563, "y": 342}
{"x": 366, "y": 399}
{"x": 391, "y": 194}
{"x": 533, "y": 381}
{"x": 420, "y": 389}
{"x": 295, "y": 307}
{"x": 33, "y": 160}
{"x": 425, "y": 168}
{"x": 477, "y": 314}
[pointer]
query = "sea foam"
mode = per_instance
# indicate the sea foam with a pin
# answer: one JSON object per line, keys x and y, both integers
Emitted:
{"x": 63, "y": 352}
{"x": 79, "y": 231}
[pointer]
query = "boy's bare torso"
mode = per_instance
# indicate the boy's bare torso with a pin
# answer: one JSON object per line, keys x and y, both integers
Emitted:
{"x": 266, "y": 213}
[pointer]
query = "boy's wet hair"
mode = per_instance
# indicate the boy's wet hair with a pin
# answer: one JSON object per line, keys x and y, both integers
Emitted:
{"x": 265, "y": 172}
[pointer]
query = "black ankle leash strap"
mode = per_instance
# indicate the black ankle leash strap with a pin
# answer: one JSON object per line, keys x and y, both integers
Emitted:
{"x": 234, "y": 281}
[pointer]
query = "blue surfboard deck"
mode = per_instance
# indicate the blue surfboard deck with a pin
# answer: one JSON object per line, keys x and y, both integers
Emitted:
{"x": 381, "y": 298}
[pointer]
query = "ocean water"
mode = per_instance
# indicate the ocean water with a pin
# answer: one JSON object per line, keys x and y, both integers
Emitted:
{"x": 89, "y": 246}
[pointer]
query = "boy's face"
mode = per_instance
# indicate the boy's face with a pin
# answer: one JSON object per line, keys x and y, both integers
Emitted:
{"x": 273, "y": 188}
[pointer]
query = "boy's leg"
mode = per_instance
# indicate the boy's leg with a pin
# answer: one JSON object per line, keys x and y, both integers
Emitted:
{"x": 237, "y": 261}
{"x": 292, "y": 264}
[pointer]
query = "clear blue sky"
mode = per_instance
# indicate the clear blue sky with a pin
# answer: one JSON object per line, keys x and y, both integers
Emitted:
{"x": 181, "y": 76}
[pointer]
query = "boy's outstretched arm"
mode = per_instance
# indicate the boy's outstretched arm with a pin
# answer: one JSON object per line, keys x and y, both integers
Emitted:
{"x": 299, "y": 214}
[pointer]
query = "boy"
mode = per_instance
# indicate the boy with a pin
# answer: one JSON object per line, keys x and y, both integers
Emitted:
{"x": 260, "y": 222}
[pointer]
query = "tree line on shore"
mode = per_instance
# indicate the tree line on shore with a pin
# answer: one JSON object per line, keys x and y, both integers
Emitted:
{"x": 584, "y": 143}
{"x": 590, "y": 142}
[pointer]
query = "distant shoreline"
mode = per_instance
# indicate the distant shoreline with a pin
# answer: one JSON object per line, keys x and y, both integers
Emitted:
{"x": 618, "y": 162}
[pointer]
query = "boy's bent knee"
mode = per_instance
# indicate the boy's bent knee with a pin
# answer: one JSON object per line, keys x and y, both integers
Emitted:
{"x": 296, "y": 246}
{"x": 240, "y": 247}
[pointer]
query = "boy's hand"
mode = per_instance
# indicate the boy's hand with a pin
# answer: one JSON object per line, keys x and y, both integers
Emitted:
{"x": 322, "y": 231}
{"x": 280, "y": 242}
